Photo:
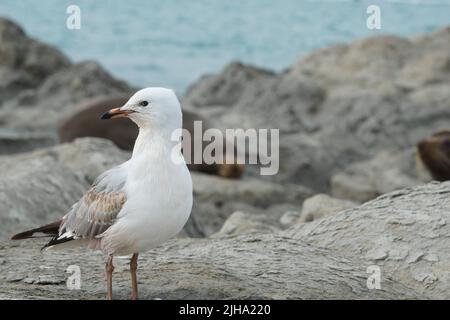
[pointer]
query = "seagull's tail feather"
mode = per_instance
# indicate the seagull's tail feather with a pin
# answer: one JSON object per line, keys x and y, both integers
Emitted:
{"x": 49, "y": 230}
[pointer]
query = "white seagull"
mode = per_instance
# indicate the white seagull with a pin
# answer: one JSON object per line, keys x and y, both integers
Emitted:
{"x": 142, "y": 202}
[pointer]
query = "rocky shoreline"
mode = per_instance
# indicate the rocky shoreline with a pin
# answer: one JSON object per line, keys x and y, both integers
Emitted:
{"x": 348, "y": 195}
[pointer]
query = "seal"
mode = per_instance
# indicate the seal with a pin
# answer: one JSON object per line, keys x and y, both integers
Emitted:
{"x": 434, "y": 154}
{"x": 84, "y": 121}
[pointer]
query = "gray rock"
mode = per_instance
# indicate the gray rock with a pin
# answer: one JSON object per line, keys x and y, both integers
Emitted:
{"x": 289, "y": 218}
{"x": 16, "y": 141}
{"x": 404, "y": 233}
{"x": 322, "y": 205}
{"x": 386, "y": 172}
{"x": 216, "y": 198}
{"x": 353, "y": 187}
{"x": 244, "y": 267}
{"x": 90, "y": 156}
{"x": 44, "y": 107}
{"x": 39, "y": 86}
{"x": 338, "y": 105}
{"x": 242, "y": 93}
{"x": 305, "y": 160}
{"x": 24, "y": 62}
{"x": 223, "y": 89}
{"x": 12, "y": 82}
{"x": 244, "y": 223}
{"x": 44, "y": 280}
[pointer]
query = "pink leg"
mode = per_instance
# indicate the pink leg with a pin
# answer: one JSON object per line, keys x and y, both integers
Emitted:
{"x": 133, "y": 269}
{"x": 109, "y": 268}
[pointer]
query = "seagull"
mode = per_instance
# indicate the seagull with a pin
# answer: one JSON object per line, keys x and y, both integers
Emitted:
{"x": 138, "y": 204}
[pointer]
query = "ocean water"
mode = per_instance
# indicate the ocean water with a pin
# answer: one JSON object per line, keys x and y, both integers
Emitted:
{"x": 173, "y": 42}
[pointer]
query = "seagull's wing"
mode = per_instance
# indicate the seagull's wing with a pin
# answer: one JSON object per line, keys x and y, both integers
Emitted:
{"x": 96, "y": 211}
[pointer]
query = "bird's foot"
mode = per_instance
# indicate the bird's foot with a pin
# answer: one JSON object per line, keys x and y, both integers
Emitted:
{"x": 133, "y": 296}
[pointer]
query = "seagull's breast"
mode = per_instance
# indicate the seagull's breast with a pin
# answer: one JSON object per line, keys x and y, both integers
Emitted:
{"x": 159, "y": 202}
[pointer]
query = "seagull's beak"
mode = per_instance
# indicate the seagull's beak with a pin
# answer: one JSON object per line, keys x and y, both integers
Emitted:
{"x": 116, "y": 113}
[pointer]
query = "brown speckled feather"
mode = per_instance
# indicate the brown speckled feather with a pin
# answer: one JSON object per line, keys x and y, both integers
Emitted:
{"x": 96, "y": 211}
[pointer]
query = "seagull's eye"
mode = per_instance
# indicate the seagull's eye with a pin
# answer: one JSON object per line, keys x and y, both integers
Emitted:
{"x": 143, "y": 103}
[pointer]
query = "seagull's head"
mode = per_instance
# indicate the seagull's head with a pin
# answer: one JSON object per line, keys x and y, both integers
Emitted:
{"x": 152, "y": 108}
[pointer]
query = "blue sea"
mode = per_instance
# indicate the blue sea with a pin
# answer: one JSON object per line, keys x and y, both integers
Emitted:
{"x": 173, "y": 42}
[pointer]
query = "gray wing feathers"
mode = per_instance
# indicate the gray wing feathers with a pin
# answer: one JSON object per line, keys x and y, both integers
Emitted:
{"x": 97, "y": 210}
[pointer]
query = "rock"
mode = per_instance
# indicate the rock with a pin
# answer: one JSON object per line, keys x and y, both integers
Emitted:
{"x": 37, "y": 112}
{"x": 305, "y": 160}
{"x": 24, "y": 62}
{"x": 244, "y": 223}
{"x": 40, "y": 186}
{"x": 44, "y": 107}
{"x": 386, "y": 172}
{"x": 240, "y": 92}
{"x": 322, "y": 205}
{"x": 404, "y": 233}
{"x": 44, "y": 280}
{"x": 364, "y": 63}
{"x": 338, "y": 105}
{"x": 16, "y": 141}
{"x": 289, "y": 218}
{"x": 12, "y": 82}
{"x": 215, "y": 198}
{"x": 21, "y": 52}
{"x": 244, "y": 267}
{"x": 39, "y": 86}
{"x": 90, "y": 156}
{"x": 353, "y": 187}
{"x": 224, "y": 89}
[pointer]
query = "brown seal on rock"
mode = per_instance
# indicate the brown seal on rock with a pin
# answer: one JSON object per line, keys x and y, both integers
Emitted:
{"x": 434, "y": 154}
{"x": 85, "y": 121}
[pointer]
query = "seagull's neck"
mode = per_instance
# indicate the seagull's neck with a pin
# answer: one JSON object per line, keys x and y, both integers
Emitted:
{"x": 153, "y": 141}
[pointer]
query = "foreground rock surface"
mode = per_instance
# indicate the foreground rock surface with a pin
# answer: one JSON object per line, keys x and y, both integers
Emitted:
{"x": 405, "y": 233}
{"x": 245, "y": 267}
